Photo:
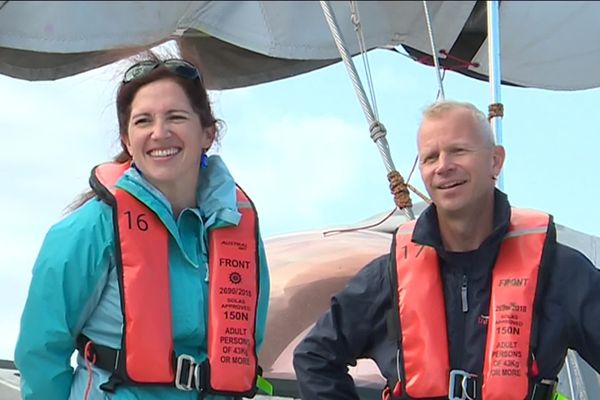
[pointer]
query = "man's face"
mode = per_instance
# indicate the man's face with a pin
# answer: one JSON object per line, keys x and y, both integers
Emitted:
{"x": 457, "y": 163}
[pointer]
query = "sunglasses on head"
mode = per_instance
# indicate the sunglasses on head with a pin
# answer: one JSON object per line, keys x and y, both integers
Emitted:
{"x": 181, "y": 68}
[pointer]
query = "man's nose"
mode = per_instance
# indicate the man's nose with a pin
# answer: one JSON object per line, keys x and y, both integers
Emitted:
{"x": 445, "y": 163}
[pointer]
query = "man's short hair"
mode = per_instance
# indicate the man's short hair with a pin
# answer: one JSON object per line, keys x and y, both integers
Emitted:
{"x": 441, "y": 108}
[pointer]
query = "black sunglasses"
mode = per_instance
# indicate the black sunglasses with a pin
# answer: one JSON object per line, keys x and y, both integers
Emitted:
{"x": 181, "y": 68}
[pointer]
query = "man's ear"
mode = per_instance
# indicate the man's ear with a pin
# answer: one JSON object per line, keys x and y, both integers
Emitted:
{"x": 498, "y": 156}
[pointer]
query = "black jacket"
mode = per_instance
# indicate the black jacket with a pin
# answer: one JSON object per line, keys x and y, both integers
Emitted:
{"x": 356, "y": 325}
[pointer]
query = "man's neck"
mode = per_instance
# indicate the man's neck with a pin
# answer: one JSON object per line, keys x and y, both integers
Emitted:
{"x": 466, "y": 233}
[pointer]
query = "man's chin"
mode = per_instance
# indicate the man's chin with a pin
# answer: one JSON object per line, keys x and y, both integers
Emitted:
{"x": 451, "y": 208}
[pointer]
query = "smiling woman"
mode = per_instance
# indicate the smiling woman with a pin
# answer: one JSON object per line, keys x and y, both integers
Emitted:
{"x": 167, "y": 140}
{"x": 124, "y": 278}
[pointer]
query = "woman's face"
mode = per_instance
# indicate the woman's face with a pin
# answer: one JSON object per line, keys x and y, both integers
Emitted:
{"x": 165, "y": 136}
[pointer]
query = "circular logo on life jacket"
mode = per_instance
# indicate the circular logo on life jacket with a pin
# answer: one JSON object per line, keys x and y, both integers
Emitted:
{"x": 235, "y": 278}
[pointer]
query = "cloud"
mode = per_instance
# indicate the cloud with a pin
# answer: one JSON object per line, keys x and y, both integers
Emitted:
{"x": 51, "y": 133}
{"x": 303, "y": 173}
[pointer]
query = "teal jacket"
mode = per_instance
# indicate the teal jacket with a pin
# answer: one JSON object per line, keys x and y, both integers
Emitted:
{"x": 74, "y": 289}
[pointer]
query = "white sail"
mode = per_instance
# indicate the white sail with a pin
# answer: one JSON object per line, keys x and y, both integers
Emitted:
{"x": 249, "y": 42}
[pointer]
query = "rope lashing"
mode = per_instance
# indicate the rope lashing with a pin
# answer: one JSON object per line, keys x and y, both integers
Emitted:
{"x": 495, "y": 110}
{"x": 399, "y": 189}
{"x": 377, "y": 130}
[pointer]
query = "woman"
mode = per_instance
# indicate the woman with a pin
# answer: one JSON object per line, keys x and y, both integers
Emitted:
{"x": 159, "y": 279}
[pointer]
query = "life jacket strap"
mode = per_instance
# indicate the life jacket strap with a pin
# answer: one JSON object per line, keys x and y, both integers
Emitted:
{"x": 189, "y": 375}
{"x": 467, "y": 386}
{"x": 106, "y": 357}
{"x": 545, "y": 390}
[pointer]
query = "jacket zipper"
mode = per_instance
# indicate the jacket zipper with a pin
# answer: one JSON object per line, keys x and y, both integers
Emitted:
{"x": 464, "y": 308}
{"x": 463, "y": 294}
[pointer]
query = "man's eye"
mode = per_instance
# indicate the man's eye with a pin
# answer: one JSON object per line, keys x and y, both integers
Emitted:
{"x": 428, "y": 159}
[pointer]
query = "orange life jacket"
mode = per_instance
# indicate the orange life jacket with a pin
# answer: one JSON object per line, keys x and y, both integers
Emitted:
{"x": 421, "y": 310}
{"x": 147, "y": 355}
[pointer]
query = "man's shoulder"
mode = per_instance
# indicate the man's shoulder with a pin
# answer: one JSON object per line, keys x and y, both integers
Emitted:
{"x": 568, "y": 257}
{"x": 373, "y": 276}
{"x": 569, "y": 266}
{"x": 376, "y": 265}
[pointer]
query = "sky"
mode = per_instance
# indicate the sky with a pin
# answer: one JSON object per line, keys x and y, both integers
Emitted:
{"x": 300, "y": 147}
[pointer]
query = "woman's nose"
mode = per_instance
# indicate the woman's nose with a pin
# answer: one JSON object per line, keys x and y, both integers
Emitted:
{"x": 161, "y": 130}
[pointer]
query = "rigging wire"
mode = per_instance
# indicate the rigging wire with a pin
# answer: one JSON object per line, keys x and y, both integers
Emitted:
{"x": 434, "y": 53}
{"x": 376, "y": 128}
{"x": 363, "y": 51}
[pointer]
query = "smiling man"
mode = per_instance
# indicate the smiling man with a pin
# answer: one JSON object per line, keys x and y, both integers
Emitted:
{"x": 471, "y": 302}
{"x": 459, "y": 164}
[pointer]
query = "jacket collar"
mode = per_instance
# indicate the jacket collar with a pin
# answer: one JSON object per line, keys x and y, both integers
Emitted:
{"x": 216, "y": 194}
{"x": 427, "y": 231}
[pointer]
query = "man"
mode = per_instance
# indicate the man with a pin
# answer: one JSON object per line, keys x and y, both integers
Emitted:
{"x": 475, "y": 301}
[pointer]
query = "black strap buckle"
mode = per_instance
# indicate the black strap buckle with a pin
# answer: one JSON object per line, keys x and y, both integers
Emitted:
{"x": 544, "y": 390}
{"x": 463, "y": 385}
{"x": 188, "y": 375}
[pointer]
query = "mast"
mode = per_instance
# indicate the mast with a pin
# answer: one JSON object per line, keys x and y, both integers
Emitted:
{"x": 493, "y": 29}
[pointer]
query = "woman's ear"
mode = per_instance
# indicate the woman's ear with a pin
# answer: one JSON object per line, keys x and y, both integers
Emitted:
{"x": 126, "y": 144}
{"x": 209, "y": 134}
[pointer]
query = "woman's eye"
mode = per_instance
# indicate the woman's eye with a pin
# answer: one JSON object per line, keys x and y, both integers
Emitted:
{"x": 141, "y": 121}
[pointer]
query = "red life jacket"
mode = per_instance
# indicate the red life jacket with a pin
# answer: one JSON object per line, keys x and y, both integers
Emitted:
{"x": 421, "y": 311}
{"x": 147, "y": 355}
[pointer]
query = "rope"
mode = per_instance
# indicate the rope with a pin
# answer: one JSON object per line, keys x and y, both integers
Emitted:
{"x": 414, "y": 189}
{"x": 355, "y": 18}
{"x": 376, "y": 128}
{"x": 327, "y": 233}
{"x": 419, "y": 193}
{"x": 495, "y": 110}
{"x": 86, "y": 354}
{"x": 462, "y": 63}
{"x": 434, "y": 52}
{"x": 412, "y": 170}
{"x": 345, "y": 54}
{"x": 399, "y": 190}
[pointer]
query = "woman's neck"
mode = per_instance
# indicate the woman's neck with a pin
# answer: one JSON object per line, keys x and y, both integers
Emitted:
{"x": 181, "y": 195}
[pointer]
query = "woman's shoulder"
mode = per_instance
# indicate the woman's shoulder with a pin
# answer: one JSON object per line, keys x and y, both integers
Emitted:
{"x": 94, "y": 217}
{"x": 84, "y": 237}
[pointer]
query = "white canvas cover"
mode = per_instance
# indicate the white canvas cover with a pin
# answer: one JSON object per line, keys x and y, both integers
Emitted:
{"x": 548, "y": 44}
